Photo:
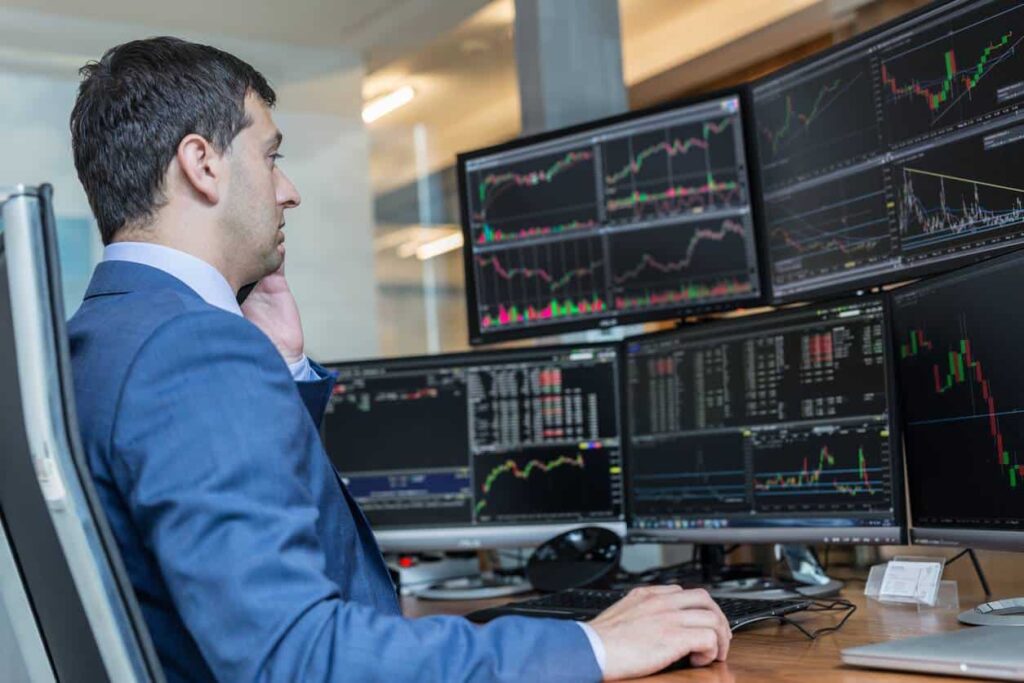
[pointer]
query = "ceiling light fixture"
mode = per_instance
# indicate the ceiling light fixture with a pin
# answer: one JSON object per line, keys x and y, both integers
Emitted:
{"x": 440, "y": 246}
{"x": 385, "y": 104}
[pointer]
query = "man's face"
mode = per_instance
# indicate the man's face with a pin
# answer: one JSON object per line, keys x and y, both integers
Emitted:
{"x": 257, "y": 194}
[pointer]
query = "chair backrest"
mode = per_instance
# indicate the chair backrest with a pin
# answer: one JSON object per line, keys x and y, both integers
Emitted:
{"x": 85, "y": 614}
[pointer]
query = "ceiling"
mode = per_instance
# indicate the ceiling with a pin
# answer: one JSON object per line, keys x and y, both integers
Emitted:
{"x": 380, "y": 30}
{"x": 459, "y": 55}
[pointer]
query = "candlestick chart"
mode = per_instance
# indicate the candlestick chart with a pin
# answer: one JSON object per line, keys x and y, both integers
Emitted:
{"x": 541, "y": 282}
{"x": 542, "y": 482}
{"x": 839, "y": 467}
{"x": 691, "y": 262}
{"x": 953, "y": 73}
{"x": 958, "y": 376}
{"x": 671, "y": 171}
{"x": 816, "y": 124}
{"x": 549, "y": 194}
{"x": 961, "y": 381}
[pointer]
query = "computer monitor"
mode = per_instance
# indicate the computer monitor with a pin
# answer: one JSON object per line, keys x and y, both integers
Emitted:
{"x": 895, "y": 154}
{"x": 768, "y": 429}
{"x": 961, "y": 379}
{"x": 634, "y": 218}
{"x": 480, "y": 450}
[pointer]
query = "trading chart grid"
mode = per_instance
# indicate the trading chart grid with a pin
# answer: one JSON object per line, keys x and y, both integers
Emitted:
{"x": 645, "y": 216}
{"x": 898, "y": 154}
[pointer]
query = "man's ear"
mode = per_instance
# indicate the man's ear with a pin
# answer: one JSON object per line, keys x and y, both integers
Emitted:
{"x": 201, "y": 165}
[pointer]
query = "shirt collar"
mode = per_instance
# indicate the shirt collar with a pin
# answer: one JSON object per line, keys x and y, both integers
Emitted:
{"x": 200, "y": 276}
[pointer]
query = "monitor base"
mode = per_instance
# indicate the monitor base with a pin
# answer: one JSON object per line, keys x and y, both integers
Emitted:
{"x": 805, "y": 571}
{"x": 766, "y": 588}
{"x": 803, "y": 575}
{"x": 482, "y": 587}
{"x": 706, "y": 569}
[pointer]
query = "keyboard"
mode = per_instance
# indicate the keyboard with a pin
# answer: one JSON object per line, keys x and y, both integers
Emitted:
{"x": 585, "y": 604}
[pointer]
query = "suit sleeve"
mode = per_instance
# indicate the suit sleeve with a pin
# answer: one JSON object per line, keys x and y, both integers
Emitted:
{"x": 211, "y": 446}
{"x": 316, "y": 393}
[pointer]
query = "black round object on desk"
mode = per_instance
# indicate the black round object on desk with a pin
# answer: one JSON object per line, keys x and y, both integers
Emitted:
{"x": 581, "y": 557}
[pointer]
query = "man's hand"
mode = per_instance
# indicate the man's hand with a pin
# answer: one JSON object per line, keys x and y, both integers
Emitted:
{"x": 654, "y": 626}
{"x": 271, "y": 307}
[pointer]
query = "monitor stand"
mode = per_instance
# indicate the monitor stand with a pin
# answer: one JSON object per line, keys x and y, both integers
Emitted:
{"x": 480, "y": 587}
{"x": 707, "y": 569}
{"x": 715, "y": 572}
{"x": 805, "y": 576}
{"x": 806, "y": 571}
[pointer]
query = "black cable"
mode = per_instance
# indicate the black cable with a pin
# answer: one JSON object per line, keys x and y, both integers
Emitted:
{"x": 980, "y": 573}
{"x": 835, "y": 605}
{"x": 969, "y": 552}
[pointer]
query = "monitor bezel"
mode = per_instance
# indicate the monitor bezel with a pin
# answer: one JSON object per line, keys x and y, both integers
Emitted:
{"x": 952, "y": 536}
{"x": 867, "y": 284}
{"x": 478, "y": 337}
{"x": 859, "y": 534}
{"x": 518, "y": 535}
{"x": 437, "y": 537}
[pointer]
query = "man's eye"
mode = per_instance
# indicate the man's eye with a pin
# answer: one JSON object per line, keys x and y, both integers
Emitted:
{"x": 275, "y": 157}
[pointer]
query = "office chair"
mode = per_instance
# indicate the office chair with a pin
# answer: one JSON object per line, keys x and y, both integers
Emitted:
{"x": 86, "y": 624}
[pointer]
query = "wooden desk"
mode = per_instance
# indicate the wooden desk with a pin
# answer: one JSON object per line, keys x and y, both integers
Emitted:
{"x": 772, "y": 652}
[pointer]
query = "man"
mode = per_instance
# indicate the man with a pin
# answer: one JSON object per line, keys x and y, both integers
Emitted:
{"x": 250, "y": 560}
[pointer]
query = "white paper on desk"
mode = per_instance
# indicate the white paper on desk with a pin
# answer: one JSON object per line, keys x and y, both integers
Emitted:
{"x": 914, "y": 582}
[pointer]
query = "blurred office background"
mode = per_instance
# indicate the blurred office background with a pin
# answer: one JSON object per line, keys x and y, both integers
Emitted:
{"x": 375, "y": 252}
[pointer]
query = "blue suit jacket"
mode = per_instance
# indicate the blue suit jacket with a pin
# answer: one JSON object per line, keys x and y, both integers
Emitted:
{"x": 250, "y": 560}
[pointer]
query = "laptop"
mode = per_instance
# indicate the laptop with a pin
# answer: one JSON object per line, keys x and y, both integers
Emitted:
{"x": 980, "y": 652}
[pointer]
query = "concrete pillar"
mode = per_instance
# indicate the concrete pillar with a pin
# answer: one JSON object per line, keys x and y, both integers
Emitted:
{"x": 569, "y": 62}
{"x": 569, "y": 59}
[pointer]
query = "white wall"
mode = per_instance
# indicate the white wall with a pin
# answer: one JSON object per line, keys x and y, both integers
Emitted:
{"x": 36, "y": 148}
{"x": 330, "y": 235}
{"x": 35, "y": 139}
{"x": 330, "y": 255}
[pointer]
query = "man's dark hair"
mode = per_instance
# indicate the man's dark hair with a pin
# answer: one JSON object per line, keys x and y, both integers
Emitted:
{"x": 133, "y": 108}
